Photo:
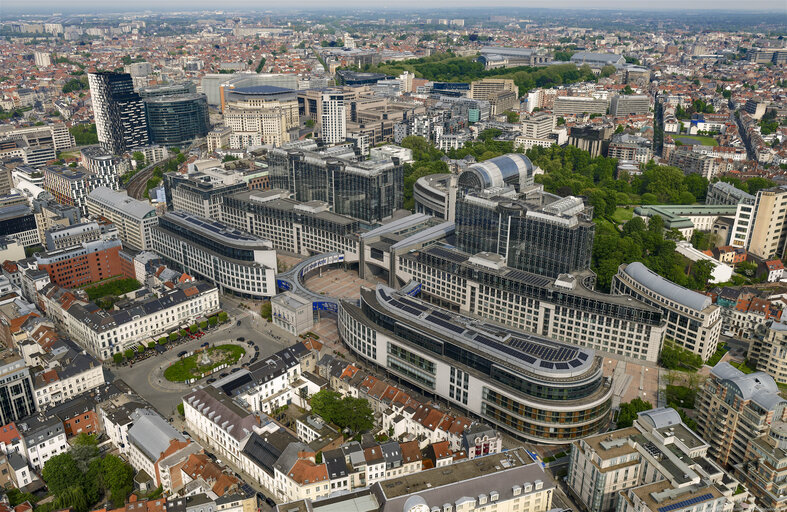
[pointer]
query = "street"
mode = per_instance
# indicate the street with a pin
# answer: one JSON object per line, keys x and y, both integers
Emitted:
{"x": 145, "y": 377}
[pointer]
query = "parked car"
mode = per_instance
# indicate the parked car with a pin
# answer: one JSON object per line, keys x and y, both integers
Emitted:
{"x": 234, "y": 370}
{"x": 211, "y": 380}
{"x": 205, "y": 344}
{"x": 181, "y": 354}
{"x": 241, "y": 339}
{"x": 223, "y": 375}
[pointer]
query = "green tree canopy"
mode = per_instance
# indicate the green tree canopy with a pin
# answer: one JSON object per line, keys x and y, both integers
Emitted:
{"x": 350, "y": 413}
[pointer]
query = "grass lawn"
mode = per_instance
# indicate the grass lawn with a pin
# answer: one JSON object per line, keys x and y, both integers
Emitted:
{"x": 699, "y": 139}
{"x": 623, "y": 215}
{"x": 70, "y": 154}
{"x": 742, "y": 367}
{"x": 189, "y": 367}
{"x": 112, "y": 286}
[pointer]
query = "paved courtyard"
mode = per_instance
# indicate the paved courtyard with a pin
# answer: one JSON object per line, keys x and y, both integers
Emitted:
{"x": 339, "y": 283}
{"x": 631, "y": 380}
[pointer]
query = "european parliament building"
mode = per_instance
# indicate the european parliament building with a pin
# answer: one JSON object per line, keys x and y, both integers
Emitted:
{"x": 533, "y": 387}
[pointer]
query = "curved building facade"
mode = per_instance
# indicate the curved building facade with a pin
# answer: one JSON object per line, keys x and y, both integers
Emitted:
{"x": 513, "y": 169}
{"x": 533, "y": 387}
{"x": 692, "y": 320}
{"x": 434, "y": 196}
{"x": 177, "y": 119}
{"x": 235, "y": 261}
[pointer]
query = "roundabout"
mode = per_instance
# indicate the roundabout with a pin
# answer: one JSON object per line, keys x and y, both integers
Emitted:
{"x": 204, "y": 362}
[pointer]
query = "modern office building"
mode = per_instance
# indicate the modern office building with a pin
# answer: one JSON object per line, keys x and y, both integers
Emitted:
{"x": 545, "y": 235}
{"x": 177, "y": 119}
{"x": 435, "y": 195}
{"x": 566, "y": 309}
{"x": 369, "y": 191}
{"x": 119, "y": 112}
{"x": 614, "y": 470}
{"x": 200, "y": 193}
{"x": 631, "y": 105}
{"x": 333, "y": 121}
{"x": 19, "y": 222}
{"x": 765, "y": 471}
{"x": 722, "y": 193}
{"x": 134, "y": 219}
{"x": 482, "y": 89}
{"x": 693, "y": 321}
{"x": 624, "y": 146}
{"x": 108, "y": 167}
{"x": 16, "y": 390}
{"x": 86, "y": 263}
{"x": 260, "y": 115}
{"x": 173, "y": 89}
{"x": 70, "y": 186}
{"x": 61, "y": 237}
{"x": 579, "y": 105}
{"x": 734, "y": 408}
{"x": 591, "y": 138}
{"x": 56, "y": 135}
{"x": 533, "y": 387}
{"x": 300, "y": 228}
{"x": 235, "y": 261}
{"x": 538, "y": 125}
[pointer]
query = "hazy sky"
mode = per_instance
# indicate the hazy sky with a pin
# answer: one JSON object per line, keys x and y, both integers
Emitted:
{"x": 82, "y": 6}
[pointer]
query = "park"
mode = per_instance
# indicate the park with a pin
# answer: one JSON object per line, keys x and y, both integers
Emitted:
{"x": 204, "y": 362}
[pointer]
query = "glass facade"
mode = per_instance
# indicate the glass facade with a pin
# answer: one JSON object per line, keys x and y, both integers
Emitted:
{"x": 177, "y": 119}
{"x": 205, "y": 242}
{"x": 369, "y": 192}
{"x": 548, "y": 247}
{"x": 538, "y": 288}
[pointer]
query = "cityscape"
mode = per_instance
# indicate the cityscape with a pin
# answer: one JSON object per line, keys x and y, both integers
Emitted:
{"x": 408, "y": 258}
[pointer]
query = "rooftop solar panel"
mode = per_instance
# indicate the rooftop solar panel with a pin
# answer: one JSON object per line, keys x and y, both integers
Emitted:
{"x": 448, "y": 325}
{"x": 685, "y": 503}
{"x": 413, "y": 304}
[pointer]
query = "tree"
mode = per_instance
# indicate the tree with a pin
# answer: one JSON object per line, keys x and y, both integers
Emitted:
{"x": 212, "y": 321}
{"x": 180, "y": 409}
{"x": 350, "y": 413}
{"x": 628, "y": 90}
{"x": 61, "y": 473}
{"x": 675, "y": 357}
{"x": 628, "y": 411}
{"x": 173, "y": 336}
{"x": 193, "y": 328}
{"x": 118, "y": 479}
{"x": 266, "y": 311}
{"x": 117, "y": 357}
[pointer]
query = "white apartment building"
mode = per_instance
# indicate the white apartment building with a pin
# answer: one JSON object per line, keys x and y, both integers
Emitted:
{"x": 78, "y": 375}
{"x": 44, "y": 438}
{"x": 333, "y": 123}
{"x": 104, "y": 333}
{"x": 149, "y": 438}
{"x": 218, "y": 422}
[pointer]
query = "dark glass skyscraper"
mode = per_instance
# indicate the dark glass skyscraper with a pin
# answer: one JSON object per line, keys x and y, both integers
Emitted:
{"x": 119, "y": 112}
{"x": 177, "y": 119}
